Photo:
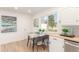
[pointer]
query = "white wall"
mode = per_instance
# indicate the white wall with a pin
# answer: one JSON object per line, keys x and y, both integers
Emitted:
{"x": 24, "y": 25}
{"x": 44, "y": 13}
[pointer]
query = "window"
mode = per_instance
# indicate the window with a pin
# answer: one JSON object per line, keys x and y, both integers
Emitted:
{"x": 52, "y": 23}
{"x": 43, "y": 22}
{"x": 48, "y": 23}
{"x": 36, "y": 23}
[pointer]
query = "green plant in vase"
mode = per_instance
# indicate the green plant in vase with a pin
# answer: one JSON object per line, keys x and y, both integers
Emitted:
{"x": 65, "y": 31}
{"x": 41, "y": 31}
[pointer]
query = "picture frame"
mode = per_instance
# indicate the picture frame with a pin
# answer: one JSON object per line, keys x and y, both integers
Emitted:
{"x": 8, "y": 24}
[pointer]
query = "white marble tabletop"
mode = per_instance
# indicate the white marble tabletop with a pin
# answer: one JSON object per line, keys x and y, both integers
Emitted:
{"x": 32, "y": 35}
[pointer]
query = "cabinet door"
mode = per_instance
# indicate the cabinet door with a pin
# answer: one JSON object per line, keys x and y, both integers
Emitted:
{"x": 56, "y": 45}
{"x": 77, "y": 16}
{"x": 67, "y": 16}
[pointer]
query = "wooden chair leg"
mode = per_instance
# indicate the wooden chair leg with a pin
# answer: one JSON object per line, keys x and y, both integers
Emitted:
{"x": 37, "y": 48}
{"x": 48, "y": 44}
{"x": 28, "y": 41}
{"x": 43, "y": 47}
{"x": 30, "y": 44}
{"x": 33, "y": 48}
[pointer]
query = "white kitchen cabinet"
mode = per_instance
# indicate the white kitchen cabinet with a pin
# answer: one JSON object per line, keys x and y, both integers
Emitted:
{"x": 77, "y": 16}
{"x": 68, "y": 16}
{"x": 56, "y": 44}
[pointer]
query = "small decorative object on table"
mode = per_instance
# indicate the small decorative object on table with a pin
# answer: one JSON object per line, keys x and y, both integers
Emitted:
{"x": 41, "y": 31}
{"x": 65, "y": 31}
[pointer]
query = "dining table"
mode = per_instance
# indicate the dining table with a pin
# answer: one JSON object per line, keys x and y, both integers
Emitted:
{"x": 33, "y": 36}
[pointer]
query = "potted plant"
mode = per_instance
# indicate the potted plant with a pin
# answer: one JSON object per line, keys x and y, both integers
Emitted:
{"x": 65, "y": 31}
{"x": 41, "y": 31}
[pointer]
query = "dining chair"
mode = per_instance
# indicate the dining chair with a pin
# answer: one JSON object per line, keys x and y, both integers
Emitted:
{"x": 44, "y": 42}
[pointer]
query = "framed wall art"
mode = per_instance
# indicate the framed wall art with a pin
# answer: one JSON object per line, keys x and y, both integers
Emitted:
{"x": 8, "y": 24}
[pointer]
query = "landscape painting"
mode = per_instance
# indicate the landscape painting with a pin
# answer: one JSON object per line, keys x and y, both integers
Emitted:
{"x": 8, "y": 24}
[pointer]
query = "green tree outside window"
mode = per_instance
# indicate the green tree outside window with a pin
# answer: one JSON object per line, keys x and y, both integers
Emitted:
{"x": 51, "y": 23}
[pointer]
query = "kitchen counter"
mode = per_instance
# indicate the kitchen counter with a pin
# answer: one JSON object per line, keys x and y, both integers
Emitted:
{"x": 76, "y": 39}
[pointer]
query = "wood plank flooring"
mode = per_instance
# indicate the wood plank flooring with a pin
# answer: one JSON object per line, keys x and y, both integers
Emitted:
{"x": 19, "y": 46}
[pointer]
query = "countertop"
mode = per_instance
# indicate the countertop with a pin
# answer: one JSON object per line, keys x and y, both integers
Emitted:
{"x": 76, "y": 38}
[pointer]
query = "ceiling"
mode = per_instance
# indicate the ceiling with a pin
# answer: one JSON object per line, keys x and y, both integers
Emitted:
{"x": 29, "y": 10}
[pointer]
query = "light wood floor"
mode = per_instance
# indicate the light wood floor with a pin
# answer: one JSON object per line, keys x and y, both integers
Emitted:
{"x": 19, "y": 46}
